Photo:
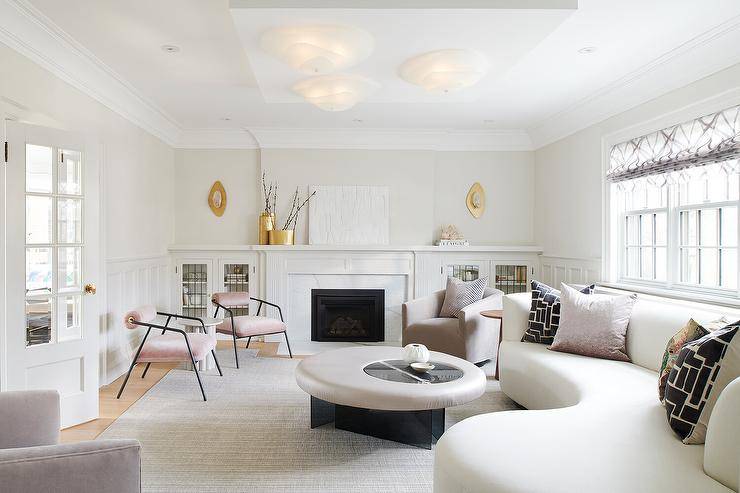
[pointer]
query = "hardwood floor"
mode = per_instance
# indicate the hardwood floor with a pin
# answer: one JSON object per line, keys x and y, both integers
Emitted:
{"x": 111, "y": 408}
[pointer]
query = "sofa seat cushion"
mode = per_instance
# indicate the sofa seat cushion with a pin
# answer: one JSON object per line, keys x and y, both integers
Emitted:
{"x": 251, "y": 325}
{"x": 172, "y": 347}
{"x": 592, "y": 425}
{"x": 438, "y": 334}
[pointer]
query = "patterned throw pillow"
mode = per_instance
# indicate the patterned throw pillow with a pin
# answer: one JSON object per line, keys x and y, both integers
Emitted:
{"x": 704, "y": 367}
{"x": 689, "y": 332}
{"x": 460, "y": 294}
{"x": 544, "y": 316}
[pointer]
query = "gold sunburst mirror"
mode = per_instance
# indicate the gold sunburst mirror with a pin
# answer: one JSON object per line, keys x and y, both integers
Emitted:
{"x": 217, "y": 199}
{"x": 476, "y": 200}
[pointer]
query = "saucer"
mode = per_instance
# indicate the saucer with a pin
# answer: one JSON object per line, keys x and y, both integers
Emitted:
{"x": 422, "y": 367}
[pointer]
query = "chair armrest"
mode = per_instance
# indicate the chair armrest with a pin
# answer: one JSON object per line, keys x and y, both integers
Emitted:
{"x": 491, "y": 302}
{"x": 422, "y": 308}
{"x": 480, "y": 334}
{"x": 722, "y": 443}
{"x": 105, "y": 466}
{"x": 516, "y": 315}
{"x": 29, "y": 418}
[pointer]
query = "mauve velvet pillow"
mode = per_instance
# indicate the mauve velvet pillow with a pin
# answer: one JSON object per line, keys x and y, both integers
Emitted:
{"x": 593, "y": 324}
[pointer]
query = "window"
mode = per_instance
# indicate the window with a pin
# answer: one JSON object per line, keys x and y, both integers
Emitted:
{"x": 673, "y": 206}
{"x": 680, "y": 231}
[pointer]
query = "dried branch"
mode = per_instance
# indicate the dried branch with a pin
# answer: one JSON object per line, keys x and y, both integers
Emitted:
{"x": 298, "y": 210}
{"x": 288, "y": 220}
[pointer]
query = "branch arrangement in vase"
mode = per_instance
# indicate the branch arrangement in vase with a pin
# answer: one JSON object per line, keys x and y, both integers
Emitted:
{"x": 295, "y": 209}
{"x": 268, "y": 193}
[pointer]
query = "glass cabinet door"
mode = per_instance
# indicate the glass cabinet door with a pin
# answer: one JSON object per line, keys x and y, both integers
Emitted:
{"x": 236, "y": 279}
{"x": 194, "y": 289}
{"x": 464, "y": 272}
{"x": 511, "y": 278}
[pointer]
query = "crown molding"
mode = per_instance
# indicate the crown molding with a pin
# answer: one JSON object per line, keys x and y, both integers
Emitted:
{"x": 215, "y": 138}
{"x": 708, "y": 53}
{"x": 391, "y": 139}
{"x": 28, "y": 31}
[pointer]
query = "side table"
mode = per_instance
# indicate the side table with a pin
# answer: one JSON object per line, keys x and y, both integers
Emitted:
{"x": 496, "y": 315}
{"x": 195, "y": 325}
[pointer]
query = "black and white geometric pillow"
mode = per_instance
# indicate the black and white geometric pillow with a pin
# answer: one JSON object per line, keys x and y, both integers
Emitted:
{"x": 544, "y": 315}
{"x": 693, "y": 380}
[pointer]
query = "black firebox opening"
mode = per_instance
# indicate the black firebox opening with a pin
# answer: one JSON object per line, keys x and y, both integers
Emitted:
{"x": 354, "y": 315}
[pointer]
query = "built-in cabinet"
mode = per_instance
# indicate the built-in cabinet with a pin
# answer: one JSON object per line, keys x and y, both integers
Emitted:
{"x": 286, "y": 275}
{"x": 197, "y": 278}
{"x": 510, "y": 276}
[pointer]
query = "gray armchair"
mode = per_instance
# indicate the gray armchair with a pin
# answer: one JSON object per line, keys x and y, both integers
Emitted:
{"x": 469, "y": 336}
{"x": 31, "y": 459}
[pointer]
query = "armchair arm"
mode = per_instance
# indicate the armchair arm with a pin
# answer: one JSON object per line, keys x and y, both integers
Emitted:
{"x": 29, "y": 418}
{"x": 422, "y": 308}
{"x": 722, "y": 444}
{"x": 516, "y": 315}
{"x": 184, "y": 317}
{"x": 103, "y": 466}
{"x": 480, "y": 334}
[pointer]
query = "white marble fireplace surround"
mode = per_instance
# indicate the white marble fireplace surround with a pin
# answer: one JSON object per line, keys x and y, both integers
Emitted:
{"x": 286, "y": 274}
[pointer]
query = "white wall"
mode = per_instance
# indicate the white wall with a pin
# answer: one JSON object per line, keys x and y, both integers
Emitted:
{"x": 568, "y": 173}
{"x": 427, "y": 190}
{"x": 195, "y": 172}
{"x": 507, "y": 179}
{"x": 137, "y": 175}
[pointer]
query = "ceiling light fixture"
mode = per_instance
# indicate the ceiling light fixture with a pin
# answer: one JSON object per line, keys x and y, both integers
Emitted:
{"x": 170, "y": 48}
{"x": 320, "y": 49}
{"x": 336, "y": 92}
{"x": 445, "y": 70}
{"x": 587, "y": 50}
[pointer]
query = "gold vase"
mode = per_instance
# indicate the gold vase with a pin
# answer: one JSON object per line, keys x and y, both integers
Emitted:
{"x": 266, "y": 224}
{"x": 281, "y": 237}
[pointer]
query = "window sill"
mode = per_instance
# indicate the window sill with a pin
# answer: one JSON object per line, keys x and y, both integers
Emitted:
{"x": 702, "y": 298}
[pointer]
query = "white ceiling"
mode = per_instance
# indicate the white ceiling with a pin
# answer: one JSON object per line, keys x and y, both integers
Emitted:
{"x": 538, "y": 77}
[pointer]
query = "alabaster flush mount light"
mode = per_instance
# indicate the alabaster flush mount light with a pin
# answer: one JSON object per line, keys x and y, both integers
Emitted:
{"x": 445, "y": 70}
{"x": 319, "y": 49}
{"x": 336, "y": 92}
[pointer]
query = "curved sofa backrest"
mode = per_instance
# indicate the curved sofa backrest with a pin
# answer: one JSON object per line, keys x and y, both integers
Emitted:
{"x": 653, "y": 322}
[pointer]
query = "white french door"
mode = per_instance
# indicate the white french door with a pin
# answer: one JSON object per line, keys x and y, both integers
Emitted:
{"x": 51, "y": 337}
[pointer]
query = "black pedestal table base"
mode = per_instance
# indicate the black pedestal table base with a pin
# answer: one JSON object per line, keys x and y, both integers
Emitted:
{"x": 418, "y": 428}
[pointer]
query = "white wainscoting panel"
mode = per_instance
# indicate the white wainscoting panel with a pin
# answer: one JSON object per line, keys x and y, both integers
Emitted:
{"x": 130, "y": 282}
{"x": 349, "y": 215}
{"x": 555, "y": 270}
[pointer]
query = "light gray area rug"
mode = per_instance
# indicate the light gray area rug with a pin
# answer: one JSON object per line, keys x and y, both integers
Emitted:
{"x": 253, "y": 435}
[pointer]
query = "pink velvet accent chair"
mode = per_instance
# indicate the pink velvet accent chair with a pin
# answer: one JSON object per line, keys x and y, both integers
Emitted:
{"x": 248, "y": 326}
{"x": 172, "y": 345}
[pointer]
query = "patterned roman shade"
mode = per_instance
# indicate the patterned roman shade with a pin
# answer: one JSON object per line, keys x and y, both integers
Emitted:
{"x": 710, "y": 139}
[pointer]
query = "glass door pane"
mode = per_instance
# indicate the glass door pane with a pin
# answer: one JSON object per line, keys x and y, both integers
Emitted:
{"x": 464, "y": 272}
{"x": 511, "y": 278}
{"x": 53, "y": 223}
{"x": 236, "y": 278}
{"x": 195, "y": 290}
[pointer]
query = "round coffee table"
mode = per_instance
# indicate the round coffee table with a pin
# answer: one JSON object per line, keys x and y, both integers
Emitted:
{"x": 371, "y": 391}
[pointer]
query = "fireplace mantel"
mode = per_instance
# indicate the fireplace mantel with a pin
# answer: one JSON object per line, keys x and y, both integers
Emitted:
{"x": 356, "y": 248}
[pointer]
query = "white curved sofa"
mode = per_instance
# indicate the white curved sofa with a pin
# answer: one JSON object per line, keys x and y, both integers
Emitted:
{"x": 590, "y": 424}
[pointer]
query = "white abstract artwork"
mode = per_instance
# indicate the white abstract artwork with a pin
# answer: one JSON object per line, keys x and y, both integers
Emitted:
{"x": 349, "y": 215}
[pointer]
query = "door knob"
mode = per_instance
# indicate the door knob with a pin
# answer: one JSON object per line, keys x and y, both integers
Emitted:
{"x": 90, "y": 289}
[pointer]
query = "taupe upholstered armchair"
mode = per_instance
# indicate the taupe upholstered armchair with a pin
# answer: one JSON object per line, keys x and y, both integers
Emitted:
{"x": 32, "y": 460}
{"x": 469, "y": 336}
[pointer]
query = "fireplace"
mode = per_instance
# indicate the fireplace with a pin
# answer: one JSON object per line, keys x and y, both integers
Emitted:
{"x": 355, "y": 315}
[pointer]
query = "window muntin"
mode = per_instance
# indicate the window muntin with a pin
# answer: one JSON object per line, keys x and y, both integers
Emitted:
{"x": 681, "y": 231}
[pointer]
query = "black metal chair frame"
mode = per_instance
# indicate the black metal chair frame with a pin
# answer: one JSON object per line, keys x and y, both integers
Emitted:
{"x": 166, "y": 328}
{"x": 259, "y": 307}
